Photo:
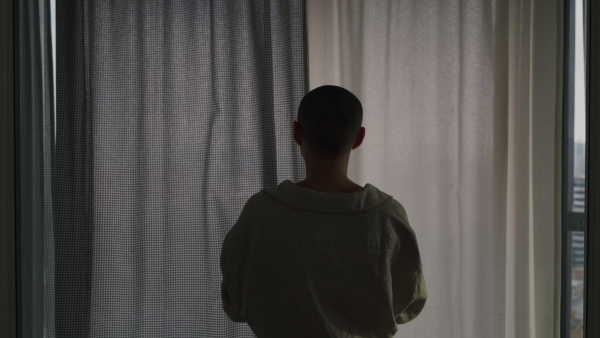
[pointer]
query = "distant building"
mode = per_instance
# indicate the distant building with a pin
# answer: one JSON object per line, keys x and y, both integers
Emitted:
{"x": 578, "y": 238}
{"x": 577, "y": 249}
{"x": 578, "y": 243}
{"x": 579, "y": 160}
{"x": 579, "y": 194}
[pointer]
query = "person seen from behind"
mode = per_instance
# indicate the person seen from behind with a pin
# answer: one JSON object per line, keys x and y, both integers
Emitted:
{"x": 323, "y": 257}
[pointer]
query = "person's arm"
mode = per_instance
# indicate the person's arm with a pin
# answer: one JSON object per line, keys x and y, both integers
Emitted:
{"x": 408, "y": 284}
{"x": 227, "y": 250}
{"x": 230, "y": 309}
{"x": 228, "y": 306}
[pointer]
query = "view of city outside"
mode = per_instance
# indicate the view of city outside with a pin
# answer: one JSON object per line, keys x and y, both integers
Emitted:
{"x": 578, "y": 207}
{"x": 577, "y": 278}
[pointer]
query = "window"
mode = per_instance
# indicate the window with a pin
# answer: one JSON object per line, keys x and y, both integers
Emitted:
{"x": 574, "y": 171}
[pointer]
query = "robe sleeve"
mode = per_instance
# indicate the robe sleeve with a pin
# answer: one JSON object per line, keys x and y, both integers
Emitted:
{"x": 227, "y": 251}
{"x": 408, "y": 284}
{"x": 410, "y": 293}
{"x": 230, "y": 309}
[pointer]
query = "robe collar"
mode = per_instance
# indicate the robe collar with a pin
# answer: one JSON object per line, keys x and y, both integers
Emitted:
{"x": 363, "y": 200}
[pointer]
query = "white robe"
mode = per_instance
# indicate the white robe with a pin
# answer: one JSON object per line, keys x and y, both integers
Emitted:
{"x": 303, "y": 263}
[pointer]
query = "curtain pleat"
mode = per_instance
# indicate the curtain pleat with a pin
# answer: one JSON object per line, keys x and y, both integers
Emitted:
{"x": 35, "y": 173}
{"x": 169, "y": 116}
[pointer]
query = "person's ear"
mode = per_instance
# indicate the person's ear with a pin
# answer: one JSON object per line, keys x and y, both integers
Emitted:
{"x": 297, "y": 133}
{"x": 359, "y": 138}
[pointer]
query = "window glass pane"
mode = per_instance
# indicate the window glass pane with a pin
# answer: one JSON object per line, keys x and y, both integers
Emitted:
{"x": 577, "y": 283}
{"x": 576, "y": 241}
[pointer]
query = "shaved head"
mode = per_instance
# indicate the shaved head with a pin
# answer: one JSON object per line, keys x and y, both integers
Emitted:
{"x": 330, "y": 118}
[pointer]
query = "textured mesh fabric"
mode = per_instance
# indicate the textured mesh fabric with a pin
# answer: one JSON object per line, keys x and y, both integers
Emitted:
{"x": 170, "y": 114}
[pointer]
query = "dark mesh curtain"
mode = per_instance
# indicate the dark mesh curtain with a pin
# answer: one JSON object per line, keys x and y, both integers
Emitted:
{"x": 170, "y": 114}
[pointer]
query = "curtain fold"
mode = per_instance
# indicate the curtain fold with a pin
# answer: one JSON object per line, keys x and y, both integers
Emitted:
{"x": 35, "y": 142}
{"x": 461, "y": 100}
{"x": 169, "y": 116}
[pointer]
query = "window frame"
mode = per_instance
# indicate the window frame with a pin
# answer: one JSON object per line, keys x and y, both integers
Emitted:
{"x": 572, "y": 221}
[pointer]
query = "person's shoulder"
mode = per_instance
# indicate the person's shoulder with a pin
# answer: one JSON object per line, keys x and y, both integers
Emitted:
{"x": 256, "y": 199}
{"x": 395, "y": 214}
{"x": 253, "y": 207}
{"x": 398, "y": 229}
{"x": 396, "y": 209}
{"x": 389, "y": 205}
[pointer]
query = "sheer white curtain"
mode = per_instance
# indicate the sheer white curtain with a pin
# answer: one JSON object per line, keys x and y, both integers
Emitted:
{"x": 462, "y": 115}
